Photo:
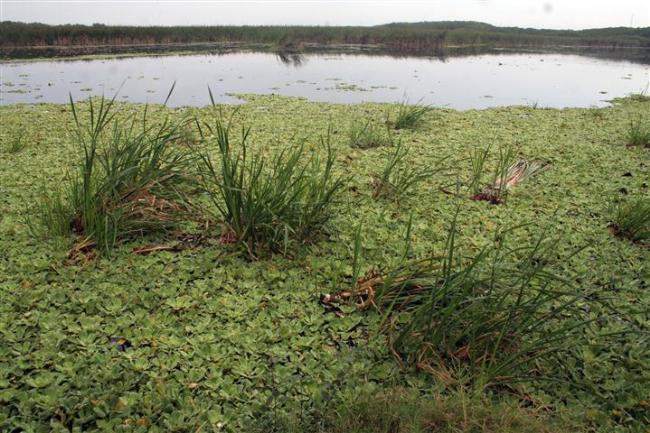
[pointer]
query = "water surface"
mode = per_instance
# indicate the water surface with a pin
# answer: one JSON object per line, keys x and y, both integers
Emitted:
{"x": 479, "y": 81}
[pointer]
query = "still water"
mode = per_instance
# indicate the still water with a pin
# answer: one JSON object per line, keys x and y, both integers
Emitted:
{"x": 480, "y": 81}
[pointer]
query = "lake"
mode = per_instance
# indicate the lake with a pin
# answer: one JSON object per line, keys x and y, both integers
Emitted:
{"x": 477, "y": 81}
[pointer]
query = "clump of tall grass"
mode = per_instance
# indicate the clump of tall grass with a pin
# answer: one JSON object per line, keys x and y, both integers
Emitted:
{"x": 408, "y": 116}
{"x": 483, "y": 318}
{"x": 638, "y": 134}
{"x": 269, "y": 203}
{"x": 16, "y": 143}
{"x": 398, "y": 178}
{"x": 131, "y": 181}
{"x": 368, "y": 136}
{"x": 632, "y": 220}
{"x": 495, "y": 190}
{"x": 507, "y": 173}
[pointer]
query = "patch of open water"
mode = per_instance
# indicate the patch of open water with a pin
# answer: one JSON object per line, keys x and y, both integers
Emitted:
{"x": 479, "y": 81}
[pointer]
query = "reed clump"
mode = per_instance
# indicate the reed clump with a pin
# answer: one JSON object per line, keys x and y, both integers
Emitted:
{"x": 17, "y": 142}
{"x": 482, "y": 319}
{"x": 408, "y": 116}
{"x": 632, "y": 220}
{"x": 369, "y": 136}
{"x": 398, "y": 177}
{"x": 132, "y": 180}
{"x": 638, "y": 134}
{"x": 268, "y": 203}
{"x": 506, "y": 174}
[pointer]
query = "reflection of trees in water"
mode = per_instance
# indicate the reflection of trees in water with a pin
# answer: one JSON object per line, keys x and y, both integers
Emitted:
{"x": 293, "y": 58}
{"x": 438, "y": 53}
{"x": 633, "y": 55}
{"x": 298, "y": 56}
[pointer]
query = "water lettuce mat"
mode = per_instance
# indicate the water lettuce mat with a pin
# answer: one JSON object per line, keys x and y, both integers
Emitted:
{"x": 203, "y": 338}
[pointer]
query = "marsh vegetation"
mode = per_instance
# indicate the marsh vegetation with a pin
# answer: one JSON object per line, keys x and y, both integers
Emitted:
{"x": 269, "y": 202}
{"x": 404, "y": 37}
{"x": 131, "y": 181}
{"x": 336, "y": 286}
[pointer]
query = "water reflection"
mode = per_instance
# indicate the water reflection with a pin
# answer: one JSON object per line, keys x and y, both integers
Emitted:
{"x": 296, "y": 55}
{"x": 291, "y": 58}
{"x": 441, "y": 79}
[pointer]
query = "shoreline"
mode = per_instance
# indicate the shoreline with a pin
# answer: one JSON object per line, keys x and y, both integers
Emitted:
{"x": 95, "y": 52}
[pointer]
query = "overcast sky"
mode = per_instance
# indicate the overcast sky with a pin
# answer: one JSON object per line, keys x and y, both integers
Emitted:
{"x": 556, "y": 14}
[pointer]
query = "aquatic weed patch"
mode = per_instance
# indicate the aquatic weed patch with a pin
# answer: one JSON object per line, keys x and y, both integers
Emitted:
{"x": 269, "y": 203}
{"x": 506, "y": 174}
{"x": 381, "y": 410}
{"x": 407, "y": 116}
{"x": 632, "y": 220}
{"x": 213, "y": 338}
{"x": 129, "y": 183}
{"x": 366, "y": 135}
{"x": 16, "y": 142}
{"x": 480, "y": 319}
{"x": 398, "y": 175}
{"x": 638, "y": 134}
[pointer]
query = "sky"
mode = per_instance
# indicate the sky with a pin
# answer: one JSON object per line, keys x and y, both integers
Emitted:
{"x": 551, "y": 14}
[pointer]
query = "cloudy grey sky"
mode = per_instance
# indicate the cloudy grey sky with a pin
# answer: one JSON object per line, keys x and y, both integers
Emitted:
{"x": 556, "y": 14}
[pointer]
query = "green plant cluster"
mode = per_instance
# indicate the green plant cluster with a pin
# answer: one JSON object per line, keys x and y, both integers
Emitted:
{"x": 402, "y": 35}
{"x": 205, "y": 339}
{"x": 407, "y": 116}
{"x": 368, "y": 135}
{"x": 397, "y": 178}
{"x": 639, "y": 134}
{"x": 632, "y": 220}
{"x": 269, "y": 206}
{"x": 399, "y": 410}
{"x": 132, "y": 181}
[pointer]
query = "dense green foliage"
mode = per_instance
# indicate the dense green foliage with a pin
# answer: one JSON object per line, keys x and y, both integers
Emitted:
{"x": 364, "y": 134}
{"x": 407, "y": 116}
{"x": 632, "y": 220}
{"x": 639, "y": 134}
{"x": 397, "y": 178}
{"x": 269, "y": 203}
{"x": 129, "y": 183}
{"x": 396, "y": 35}
{"x": 482, "y": 319}
{"x": 205, "y": 339}
{"x": 373, "y": 410}
{"x": 15, "y": 144}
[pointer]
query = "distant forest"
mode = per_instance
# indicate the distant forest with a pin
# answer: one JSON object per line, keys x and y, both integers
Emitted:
{"x": 414, "y": 36}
